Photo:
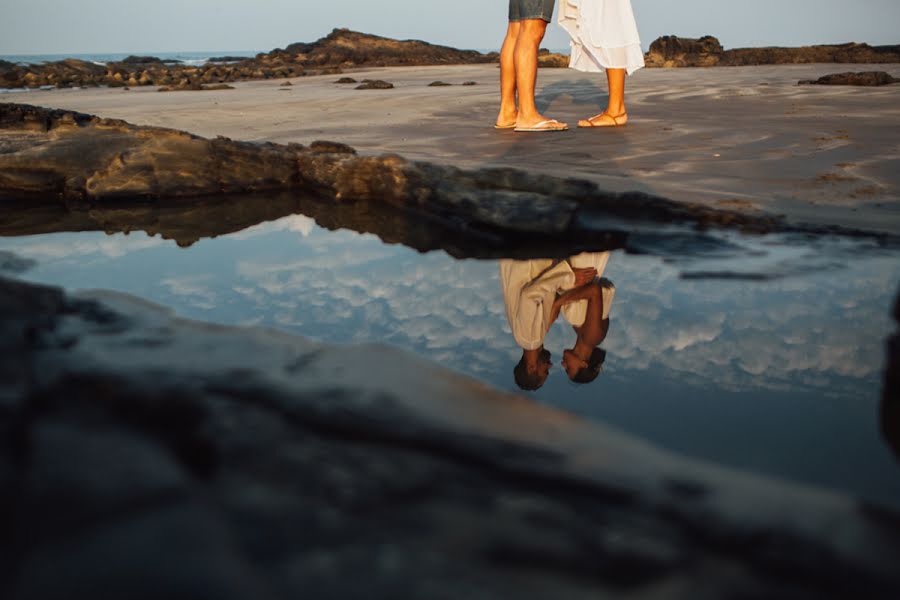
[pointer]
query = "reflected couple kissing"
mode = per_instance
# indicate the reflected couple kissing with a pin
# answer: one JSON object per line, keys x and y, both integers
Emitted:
{"x": 536, "y": 292}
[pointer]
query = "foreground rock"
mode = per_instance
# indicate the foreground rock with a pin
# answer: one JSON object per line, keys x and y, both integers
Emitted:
{"x": 148, "y": 457}
{"x": 866, "y": 78}
{"x": 77, "y": 157}
{"x": 673, "y": 51}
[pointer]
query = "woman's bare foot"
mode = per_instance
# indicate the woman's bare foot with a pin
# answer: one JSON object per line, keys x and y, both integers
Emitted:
{"x": 605, "y": 119}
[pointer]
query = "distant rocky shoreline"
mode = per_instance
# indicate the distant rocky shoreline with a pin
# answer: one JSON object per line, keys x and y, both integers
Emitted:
{"x": 345, "y": 49}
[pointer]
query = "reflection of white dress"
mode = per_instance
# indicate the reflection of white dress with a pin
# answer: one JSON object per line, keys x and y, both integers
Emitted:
{"x": 604, "y": 35}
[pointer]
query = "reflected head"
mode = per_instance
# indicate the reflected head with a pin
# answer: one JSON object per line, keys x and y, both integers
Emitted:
{"x": 580, "y": 371}
{"x": 532, "y": 377}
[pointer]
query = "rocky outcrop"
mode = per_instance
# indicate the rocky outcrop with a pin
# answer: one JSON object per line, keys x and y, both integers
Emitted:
{"x": 865, "y": 78}
{"x": 673, "y": 51}
{"x": 346, "y": 48}
{"x": 839, "y": 53}
{"x": 552, "y": 60}
{"x": 144, "y": 456}
{"x": 77, "y": 157}
{"x": 342, "y": 48}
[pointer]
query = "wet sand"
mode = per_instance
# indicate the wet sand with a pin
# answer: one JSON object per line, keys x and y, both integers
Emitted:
{"x": 746, "y": 138}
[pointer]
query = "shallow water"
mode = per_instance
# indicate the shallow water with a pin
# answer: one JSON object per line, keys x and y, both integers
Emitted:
{"x": 770, "y": 359}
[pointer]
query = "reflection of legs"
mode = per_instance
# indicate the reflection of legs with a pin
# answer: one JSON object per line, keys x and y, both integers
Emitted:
{"x": 531, "y": 33}
{"x": 508, "y": 111}
{"x": 615, "y": 114}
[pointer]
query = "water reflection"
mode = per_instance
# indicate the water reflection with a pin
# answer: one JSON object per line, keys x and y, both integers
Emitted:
{"x": 536, "y": 292}
{"x": 780, "y": 376}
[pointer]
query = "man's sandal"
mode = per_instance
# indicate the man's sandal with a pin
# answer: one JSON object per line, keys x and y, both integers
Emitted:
{"x": 543, "y": 126}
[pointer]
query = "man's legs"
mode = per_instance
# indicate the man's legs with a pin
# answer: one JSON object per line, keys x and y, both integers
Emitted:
{"x": 531, "y": 32}
{"x": 508, "y": 110}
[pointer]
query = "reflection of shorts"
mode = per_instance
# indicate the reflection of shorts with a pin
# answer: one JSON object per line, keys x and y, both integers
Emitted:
{"x": 520, "y": 10}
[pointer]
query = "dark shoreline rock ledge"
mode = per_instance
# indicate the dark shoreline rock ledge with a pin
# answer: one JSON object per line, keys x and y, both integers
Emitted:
{"x": 145, "y": 457}
{"x": 46, "y": 154}
{"x": 707, "y": 51}
{"x": 865, "y": 79}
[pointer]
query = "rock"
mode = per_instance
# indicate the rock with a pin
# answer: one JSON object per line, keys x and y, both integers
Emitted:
{"x": 346, "y": 80}
{"x": 841, "y": 53}
{"x": 142, "y": 60}
{"x": 407, "y": 476}
{"x": 375, "y": 85}
{"x": 469, "y": 83}
{"x": 72, "y": 156}
{"x": 672, "y": 51}
{"x": 550, "y": 60}
{"x": 439, "y": 84}
{"x": 227, "y": 59}
{"x": 865, "y": 78}
{"x": 345, "y": 48}
{"x": 287, "y": 84}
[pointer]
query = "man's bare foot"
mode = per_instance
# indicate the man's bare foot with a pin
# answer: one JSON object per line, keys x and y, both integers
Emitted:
{"x": 506, "y": 120}
{"x": 605, "y": 119}
{"x": 540, "y": 123}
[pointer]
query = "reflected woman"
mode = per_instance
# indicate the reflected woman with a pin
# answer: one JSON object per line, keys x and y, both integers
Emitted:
{"x": 604, "y": 37}
{"x": 587, "y": 310}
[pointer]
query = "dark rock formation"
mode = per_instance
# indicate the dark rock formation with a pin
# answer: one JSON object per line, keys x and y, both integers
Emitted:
{"x": 552, "y": 60}
{"x": 197, "y": 87}
{"x": 227, "y": 59}
{"x": 142, "y": 60}
{"x": 46, "y": 153}
{"x": 469, "y": 83}
{"x": 439, "y": 84}
{"x": 345, "y": 48}
{"x": 840, "y": 53}
{"x": 864, "y": 78}
{"x": 346, "y": 80}
{"x": 673, "y": 51}
{"x": 375, "y": 84}
{"x": 144, "y": 456}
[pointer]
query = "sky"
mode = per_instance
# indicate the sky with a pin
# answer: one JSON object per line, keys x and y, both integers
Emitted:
{"x": 136, "y": 26}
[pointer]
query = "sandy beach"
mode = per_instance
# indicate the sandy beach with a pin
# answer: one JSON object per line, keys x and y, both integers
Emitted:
{"x": 746, "y": 138}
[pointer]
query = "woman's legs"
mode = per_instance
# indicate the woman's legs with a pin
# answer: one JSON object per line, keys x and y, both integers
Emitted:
{"x": 508, "y": 110}
{"x": 615, "y": 113}
{"x": 616, "y": 80}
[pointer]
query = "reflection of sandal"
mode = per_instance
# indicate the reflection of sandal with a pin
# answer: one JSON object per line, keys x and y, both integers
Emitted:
{"x": 548, "y": 125}
{"x": 589, "y": 123}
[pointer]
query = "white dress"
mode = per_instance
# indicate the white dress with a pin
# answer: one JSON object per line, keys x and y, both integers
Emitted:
{"x": 604, "y": 35}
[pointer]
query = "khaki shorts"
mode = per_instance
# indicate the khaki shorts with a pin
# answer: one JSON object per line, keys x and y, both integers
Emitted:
{"x": 520, "y": 10}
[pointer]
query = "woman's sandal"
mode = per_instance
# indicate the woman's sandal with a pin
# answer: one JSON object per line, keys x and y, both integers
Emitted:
{"x": 615, "y": 121}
